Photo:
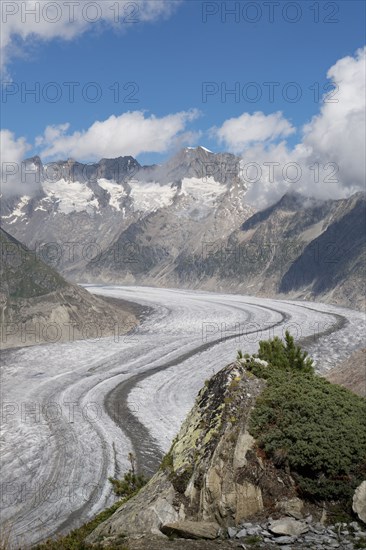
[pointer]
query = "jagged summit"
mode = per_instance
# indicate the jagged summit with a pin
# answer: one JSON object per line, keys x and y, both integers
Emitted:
{"x": 199, "y": 147}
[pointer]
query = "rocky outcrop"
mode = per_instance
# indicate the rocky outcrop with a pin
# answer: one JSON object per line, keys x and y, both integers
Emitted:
{"x": 213, "y": 473}
{"x": 359, "y": 501}
{"x": 218, "y": 484}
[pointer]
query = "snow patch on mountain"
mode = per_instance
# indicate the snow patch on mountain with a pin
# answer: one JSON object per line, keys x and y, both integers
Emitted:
{"x": 41, "y": 205}
{"x": 98, "y": 202}
{"x": 199, "y": 197}
{"x": 115, "y": 190}
{"x": 18, "y": 211}
{"x": 71, "y": 196}
{"x": 148, "y": 197}
{"x": 205, "y": 190}
{"x": 199, "y": 147}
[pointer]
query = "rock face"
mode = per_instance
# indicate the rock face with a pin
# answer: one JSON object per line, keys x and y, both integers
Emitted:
{"x": 38, "y": 306}
{"x": 212, "y": 473}
{"x": 359, "y": 501}
{"x": 151, "y": 508}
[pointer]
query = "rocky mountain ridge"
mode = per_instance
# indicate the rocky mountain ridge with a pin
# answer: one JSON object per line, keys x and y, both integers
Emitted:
{"x": 295, "y": 248}
{"x": 84, "y": 208}
{"x": 186, "y": 223}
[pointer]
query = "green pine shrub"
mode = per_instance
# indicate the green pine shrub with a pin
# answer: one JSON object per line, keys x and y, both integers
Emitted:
{"x": 129, "y": 485}
{"x": 285, "y": 355}
{"x": 315, "y": 429}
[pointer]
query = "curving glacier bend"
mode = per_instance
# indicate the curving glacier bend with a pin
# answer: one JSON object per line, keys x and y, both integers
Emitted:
{"x": 60, "y": 445}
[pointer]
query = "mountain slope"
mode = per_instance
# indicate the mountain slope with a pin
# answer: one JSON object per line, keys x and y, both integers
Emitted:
{"x": 22, "y": 274}
{"x": 39, "y": 306}
{"x": 298, "y": 248}
{"x": 351, "y": 373}
{"x": 334, "y": 262}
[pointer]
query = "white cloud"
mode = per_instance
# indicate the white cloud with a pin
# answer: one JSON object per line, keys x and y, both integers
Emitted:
{"x": 12, "y": 152}
{"x": 335, "y": 139}
{"x": 330, "y": 159}
{"x": 131, "y": 133}
{"x": 51, "y": 134}
{"x": 240, "y": 133}
{"x": 337, "y": 134}
{"x": 26, "y": 20}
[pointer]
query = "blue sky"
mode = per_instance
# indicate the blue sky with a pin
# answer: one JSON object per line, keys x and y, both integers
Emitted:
{"x": 168, "y": 60}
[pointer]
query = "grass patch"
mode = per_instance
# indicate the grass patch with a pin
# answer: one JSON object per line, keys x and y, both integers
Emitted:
{"x": 129, "y": 485}
{"x": 167, "y": 462}
{"x": 75, "y": 539}
{"x": 253, "y": 539}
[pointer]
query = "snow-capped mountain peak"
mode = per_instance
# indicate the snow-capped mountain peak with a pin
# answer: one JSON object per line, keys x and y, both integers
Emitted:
{"x": 83, "y": 203}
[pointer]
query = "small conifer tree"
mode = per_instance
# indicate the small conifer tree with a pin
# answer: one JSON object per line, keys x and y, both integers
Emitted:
{"x": 285, "y": 355}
